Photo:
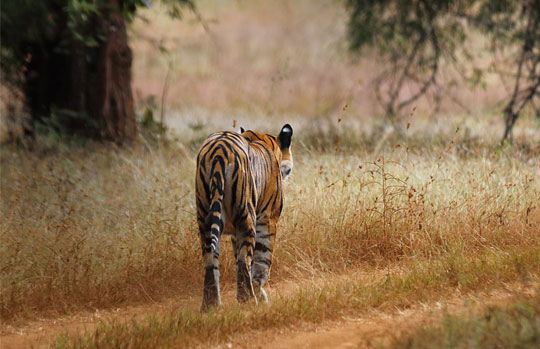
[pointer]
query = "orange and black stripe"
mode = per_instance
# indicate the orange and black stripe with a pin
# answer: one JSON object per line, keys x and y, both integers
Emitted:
{"x": 239, "y": 190}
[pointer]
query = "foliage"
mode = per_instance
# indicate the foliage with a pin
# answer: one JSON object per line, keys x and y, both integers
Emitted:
{"x": 423, "y": 38}
{"x": 414, "y": 35}
{"x": 48, "y": 18}
{"x": 52, "y": 53}
{"x": 151, "y": 128}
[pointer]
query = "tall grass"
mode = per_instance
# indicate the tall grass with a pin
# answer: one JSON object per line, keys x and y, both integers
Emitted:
{"x": 94, "y": 226}
{"x": 423, "y": 208}
{"x": 89, "y": 227}
{"x": 311, "y": 302}
{"x": 514, "y": 326}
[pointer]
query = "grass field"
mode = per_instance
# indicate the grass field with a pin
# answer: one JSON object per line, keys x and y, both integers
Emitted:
{"x": 87, "y": 227}
{"x": 375, "y": 218}
{"x": 514, "y": 326}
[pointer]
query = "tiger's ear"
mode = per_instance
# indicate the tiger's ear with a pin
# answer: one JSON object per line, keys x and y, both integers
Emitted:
{"x": 285, "y": 136}
{"x": 242, "y": 129}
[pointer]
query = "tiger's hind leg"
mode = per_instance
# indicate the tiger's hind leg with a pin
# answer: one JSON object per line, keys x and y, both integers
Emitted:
{"x": 211, "y": 294}
{"x": 262, "y": 258}
{"x": 245, "y": 244}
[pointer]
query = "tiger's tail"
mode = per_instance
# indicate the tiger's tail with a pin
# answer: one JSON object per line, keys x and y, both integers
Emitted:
{"x": 213, "y": 227}
{"x": 214, "y": 220}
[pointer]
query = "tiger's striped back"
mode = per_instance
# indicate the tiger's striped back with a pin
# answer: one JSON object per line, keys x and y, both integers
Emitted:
{"x": 239, "y": 191}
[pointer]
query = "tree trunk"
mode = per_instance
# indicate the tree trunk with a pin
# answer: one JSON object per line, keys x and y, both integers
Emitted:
{"x": 510, "y": 118}
{"x": 114, "y": 104}
{"x": 74, "y": 95}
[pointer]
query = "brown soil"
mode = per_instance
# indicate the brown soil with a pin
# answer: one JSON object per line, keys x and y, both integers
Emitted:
{"x": 378, "y": 329}
{"x": 373, "y": 328}
{"x": 43, "y": 333}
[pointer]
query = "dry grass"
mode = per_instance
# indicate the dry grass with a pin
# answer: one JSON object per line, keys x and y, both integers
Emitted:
{"x": 91, "y": 227}
{"x": 515, "y": 326}
{"x": 291, "y": 59}
{"x": 269, "y": 57}
{"x": 314, "y": 302}
{"x": 433, "y": 205}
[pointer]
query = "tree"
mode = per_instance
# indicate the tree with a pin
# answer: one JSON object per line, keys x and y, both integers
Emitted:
{"x": 499, "y": 18}
{"x": 420, "y": 37}
{"x": 72, "y": 62}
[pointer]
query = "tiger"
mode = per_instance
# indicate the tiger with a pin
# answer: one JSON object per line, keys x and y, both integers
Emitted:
{"x": 239, "y": 192}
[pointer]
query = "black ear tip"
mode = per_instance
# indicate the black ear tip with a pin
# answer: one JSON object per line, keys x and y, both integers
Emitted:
{"x": 285, "y": 136}
{"x": 242, "y": 130}
{"x": 287, "y": 129}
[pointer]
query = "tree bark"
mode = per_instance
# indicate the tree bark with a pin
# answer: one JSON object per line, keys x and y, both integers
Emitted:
{"x": 82, "y": 90}
{"x": 114, "y": 104}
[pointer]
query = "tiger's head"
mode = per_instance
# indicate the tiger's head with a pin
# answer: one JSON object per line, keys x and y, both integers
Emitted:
{"x": 282, "y": 151}
{"x": 284, "y": 141}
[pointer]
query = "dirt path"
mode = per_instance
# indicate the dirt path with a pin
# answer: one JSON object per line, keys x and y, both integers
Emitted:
{"x": 44, "y": 332}
{"x": 372, "y": 328}
{"x": 377, "y": 329}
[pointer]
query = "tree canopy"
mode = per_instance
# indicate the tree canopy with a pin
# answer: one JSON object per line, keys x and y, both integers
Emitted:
{"x": 420, "y": 38}
{"x": 72, "y": 62}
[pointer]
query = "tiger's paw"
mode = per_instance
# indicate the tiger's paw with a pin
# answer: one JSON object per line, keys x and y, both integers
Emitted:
{"x": 262, "y": 294}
